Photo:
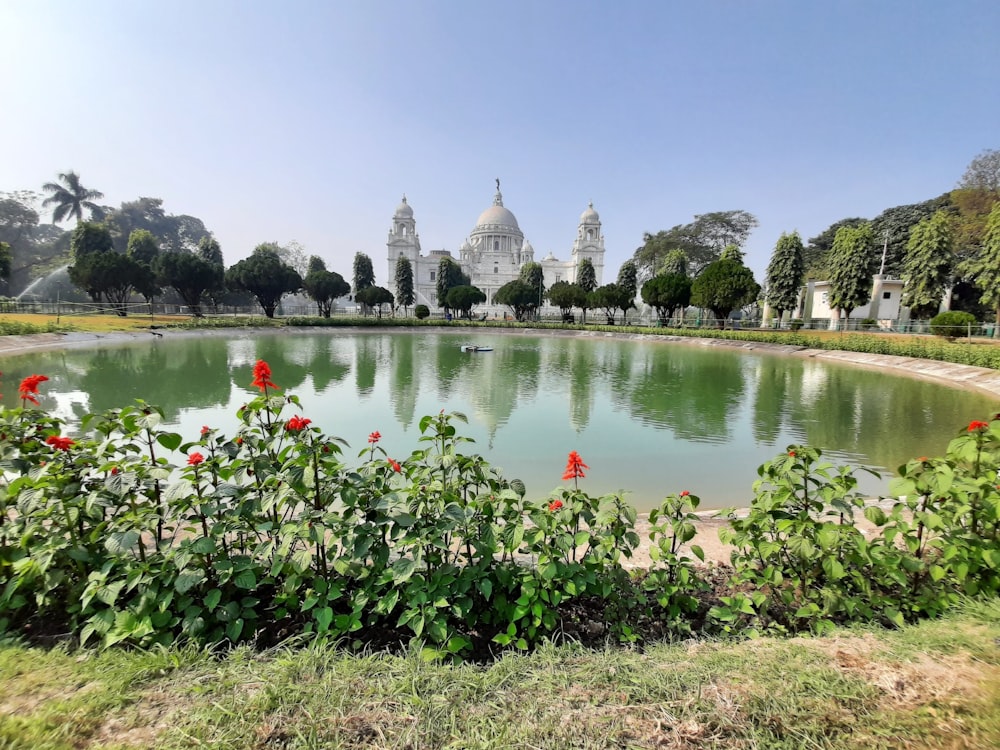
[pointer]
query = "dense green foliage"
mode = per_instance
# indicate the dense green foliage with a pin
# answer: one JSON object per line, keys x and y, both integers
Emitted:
{"x": 667, "y": 293}
{"x": 723, "y": 286}
{"x": 566, "y": 296}
{"x": 449, "y": 275}
{"x": 785, "y": 273}
{"x": 927, "y": 267}
{"x": 587, "y": 275}
{"x": 265, "y": 276}
{"x": 985, "y": 268}
{"x": 954, "y": 324}
{"x": 850, "y": 268}
{"x": 374, "y": 298}
{"x": 323, "y": 287}
{"x": 463, "y": 298}
{"x": 702, "y": 241}
{"x": 191, "y": 276}
{"x": 520, "y": 297}
{"x": 273, "y": 530}
{"x": 364, "y": 273}
{"x": 421, "y": 311}
{"x": 404, "y": 283}
{"x": 610, "y": 298}
{"x": 6, "y": 260}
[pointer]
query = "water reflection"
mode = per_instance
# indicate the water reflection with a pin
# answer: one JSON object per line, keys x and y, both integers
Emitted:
{"x": 645, "y": 415}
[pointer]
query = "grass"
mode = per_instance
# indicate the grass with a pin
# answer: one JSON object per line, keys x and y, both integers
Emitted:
{"x": 932, "y": 685}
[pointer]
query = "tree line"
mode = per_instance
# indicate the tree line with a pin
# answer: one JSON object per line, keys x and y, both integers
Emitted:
{"x": 948, "y": 244}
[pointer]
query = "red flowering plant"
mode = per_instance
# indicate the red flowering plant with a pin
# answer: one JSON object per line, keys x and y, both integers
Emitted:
{"x": 29, "y": 389}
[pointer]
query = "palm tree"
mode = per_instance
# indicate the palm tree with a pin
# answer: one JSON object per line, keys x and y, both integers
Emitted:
{"x": 71, "y": 198}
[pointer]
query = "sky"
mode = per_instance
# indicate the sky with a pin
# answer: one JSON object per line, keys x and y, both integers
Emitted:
{"x": 308, "y": 121}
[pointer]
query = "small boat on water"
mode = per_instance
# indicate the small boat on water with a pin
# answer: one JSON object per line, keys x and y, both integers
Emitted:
{"x": 474, "y": 348}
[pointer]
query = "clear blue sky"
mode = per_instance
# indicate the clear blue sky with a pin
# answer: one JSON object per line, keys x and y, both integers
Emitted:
{"x": 308, "y": 120}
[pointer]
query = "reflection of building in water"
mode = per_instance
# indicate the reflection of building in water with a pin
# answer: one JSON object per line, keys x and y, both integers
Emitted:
{"x": 493, "y": 253}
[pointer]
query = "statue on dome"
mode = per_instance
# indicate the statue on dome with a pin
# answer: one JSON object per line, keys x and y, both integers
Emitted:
{"x": 498, "y": 184}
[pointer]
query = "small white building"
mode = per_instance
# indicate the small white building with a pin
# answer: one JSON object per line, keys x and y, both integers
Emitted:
{"x": 492, "y": 254}
{"x": 885, "y": 305}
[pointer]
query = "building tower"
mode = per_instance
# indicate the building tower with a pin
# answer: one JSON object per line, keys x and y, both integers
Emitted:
{"x": 589, "y": 243}
{"x": 403, "y": 239}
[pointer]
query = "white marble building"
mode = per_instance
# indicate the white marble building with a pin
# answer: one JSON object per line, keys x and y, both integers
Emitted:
{"x": 492, "y": 254}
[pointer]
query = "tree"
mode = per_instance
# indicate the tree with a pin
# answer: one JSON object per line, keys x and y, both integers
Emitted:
{"x": 404, "y": 283}
{"x": 610, "y": 298}
{"x": 323, "y": 287}
{"x": 587, "y": 275}
{"x": 115, "y": 276}
{"x": 143, "y": 250}
{"x": 71, "y": 198}
{"x": 316, "y": 263}
{"x": 533, "y": 275}
{"x": 701, "y": 241}
{"x": 449, "y": 276}
{"x": 88, "y": 241}
{"x": 985, "y": 269}
{"x": 666, "y": 294}
{"x": 364, "y": 274}
{"x": 173, "y": 233}
{"x": 891, "y": 231}
{"x": 628, "y": 282}
{"x": 210, "y": 250}
{"x": 518, "y": 296}
{"x": 928, "y": 264}
{"x": 785, "y": 272}
{"x": 265, "y": 276}
{"x": 375, "y": 296}
{"x": 850, "y": 268}
{"x": 723, "y": 286}
{"x": 818, "y": 249}
{"x": 294, "y": 254}
{"x": 36, "y": 249}
{"x": 6, "y": 259}
{"x": 191, "y": 276}
{"x": 983, "y": 172}
{"x": 566, "y": 296}
{"x": 675, "y": 261}
{"x": 463, "y": 298}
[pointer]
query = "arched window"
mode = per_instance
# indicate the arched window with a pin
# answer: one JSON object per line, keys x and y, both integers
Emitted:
{"x": 590, "y": 234}
{"x": 496, "y": 245}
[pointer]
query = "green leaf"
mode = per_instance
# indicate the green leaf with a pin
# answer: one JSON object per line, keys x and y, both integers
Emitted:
{"x": 486, "y": 587}
{"x": 212, "y": 599}
{"x": 833, "y": 568}
{"x": 323, "y": 617}
{"x": 245, "y": 579}
{"x": 187, "y": 580}
{"x": 120, "y": 542}
{"x": 402, "y": 569}
{"x": 169, "y": 440}
{"x": 234, "y": 629}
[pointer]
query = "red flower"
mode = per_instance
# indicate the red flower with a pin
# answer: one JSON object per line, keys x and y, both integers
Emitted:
{"x": 556, "y": 504}
{"x": 239, "y": 441}
{"x": 297, "y": 424}
{"x": 262, "y": 376}
{"x": 59, "y": 443}
{"x": 29, "y": 388}
{"x": 791, "y": 453}
{"x": 922, "y": 459}
{"x": 974, "y": 426}
{"x": 195, "y": 458}
{"x": 395, "y": 466}
{"x": 326, "y": 448}
{"x": 684, "y": 493}
{"x": 205, "y": 430}
{"x": 575, "y": 466}
{"x": 114, "y": 470}
{"x": 374, "y": 437}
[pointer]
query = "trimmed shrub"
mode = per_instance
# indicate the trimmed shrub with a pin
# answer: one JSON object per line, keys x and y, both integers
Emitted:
{"x": 421, "y": 312}
{"x": 953, "y": 323}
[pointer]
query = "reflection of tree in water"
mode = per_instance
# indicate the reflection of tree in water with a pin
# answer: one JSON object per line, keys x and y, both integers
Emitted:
{"x": 403, "y": 378}
{"x": 451, "y": 361}
{"x": 285, "y": 354}
{"x": 171, "y": 374}
{"x": 772, "y": 386}
{"x": 694, "y": 394}
{"x": 889, "y": 419}
{"x": 326, "y": 362}
{"x": 366, "y": 349}
{"x": 581, "y": 394}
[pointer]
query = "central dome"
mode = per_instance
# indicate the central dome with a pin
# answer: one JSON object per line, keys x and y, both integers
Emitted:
{"x": 495, "y": 216}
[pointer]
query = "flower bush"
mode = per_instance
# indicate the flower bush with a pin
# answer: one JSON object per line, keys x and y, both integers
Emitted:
{"x": 273, "y": 532}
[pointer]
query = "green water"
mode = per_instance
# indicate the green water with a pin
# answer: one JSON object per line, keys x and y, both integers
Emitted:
{"x": 649, "y": 418}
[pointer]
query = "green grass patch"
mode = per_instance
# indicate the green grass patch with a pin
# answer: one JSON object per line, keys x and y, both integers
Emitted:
{"x": 915, "y": 687}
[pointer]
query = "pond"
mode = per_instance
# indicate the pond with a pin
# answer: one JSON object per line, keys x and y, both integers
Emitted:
{"x": 648, "y": 417}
